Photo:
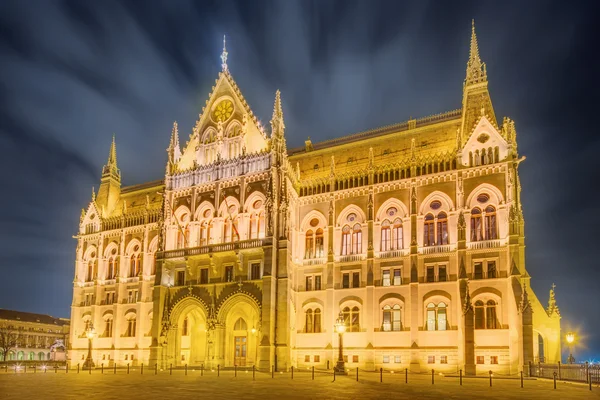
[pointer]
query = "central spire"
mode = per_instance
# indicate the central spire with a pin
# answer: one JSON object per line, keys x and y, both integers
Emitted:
{"x": 476, "y": 71}
{"x": 224, "y": 56}
{"x": 111, "y": 168}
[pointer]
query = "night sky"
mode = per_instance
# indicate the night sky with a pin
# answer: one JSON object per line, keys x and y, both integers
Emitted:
{"x": 75, "y": 72}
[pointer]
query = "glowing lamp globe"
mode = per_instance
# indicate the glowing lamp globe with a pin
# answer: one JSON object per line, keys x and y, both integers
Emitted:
{"x": 570, "y": 337}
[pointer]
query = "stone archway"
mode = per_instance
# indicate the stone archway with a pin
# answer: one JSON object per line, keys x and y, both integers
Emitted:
{"x": 240, "y": 319}
{"x": 188, "y": 340}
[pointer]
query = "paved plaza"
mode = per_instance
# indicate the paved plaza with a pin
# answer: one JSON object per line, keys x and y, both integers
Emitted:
{"x": 51, "y": 385}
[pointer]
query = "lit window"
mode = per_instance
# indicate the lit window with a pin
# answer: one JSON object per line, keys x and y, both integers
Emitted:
{"x": 386, "y": 359}
{"x": 351, "y": 319}
{"x": 430, "y": 359}
{"x": 385, "y": 281}
{"x": 480, "y": 360}
{"x": 491, "y": 269}
{"x": 307, "y": 358}
{"x": 442, "y": 228}
{"x": 491, "y": 231}
{"x": 428, "y": 231}
{"x": 397, "y": 277}
{"x": 317, "y": 358}
{"x": 476, "y": 228}
{"x": 355, "y": 359}
{"x": 493, "y": 359}
{"x": 444, "y": 360}
{"x": 437, "y": 317}
{"x": 397, "y": 359}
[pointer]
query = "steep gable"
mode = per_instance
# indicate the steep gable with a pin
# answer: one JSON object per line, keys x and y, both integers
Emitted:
{"x": 485, "y": 141}
{"x": 226, "y": 128}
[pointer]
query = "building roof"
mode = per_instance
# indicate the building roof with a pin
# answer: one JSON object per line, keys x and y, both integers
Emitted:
{"x": 22, "y": 316}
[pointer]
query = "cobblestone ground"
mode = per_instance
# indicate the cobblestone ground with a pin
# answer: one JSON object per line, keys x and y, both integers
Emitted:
{"x": 51, "y": 385}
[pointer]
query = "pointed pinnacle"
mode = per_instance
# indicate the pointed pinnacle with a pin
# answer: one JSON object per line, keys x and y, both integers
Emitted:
{"x": 224, "y": 56}
{"x": 112, "y": 154}
{"x": 474, "y": 52}
{"x": 277, "y": 110}
{"x": 174, "y": 136}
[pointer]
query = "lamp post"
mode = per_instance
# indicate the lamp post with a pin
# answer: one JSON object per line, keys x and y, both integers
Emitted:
{"x": 570, "y": 339}
{"x": 340, "y": 328}
{"x": 90, "y": 332}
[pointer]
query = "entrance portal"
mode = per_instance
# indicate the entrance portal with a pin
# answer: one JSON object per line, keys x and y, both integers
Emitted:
{"x": 240, "y": 351}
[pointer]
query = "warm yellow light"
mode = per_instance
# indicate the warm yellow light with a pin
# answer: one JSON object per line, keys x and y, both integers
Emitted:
{"x": 340, "y": 328}
{"x": 570, "y": 337}
{"x": 90, "y": 333}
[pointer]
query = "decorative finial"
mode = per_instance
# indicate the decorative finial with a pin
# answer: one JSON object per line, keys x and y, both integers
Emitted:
{"x": 224, "y": 56}
{"x": 552, "y": 307}
{"x": 93, "y": 193}
{"x": 277, "y": 124}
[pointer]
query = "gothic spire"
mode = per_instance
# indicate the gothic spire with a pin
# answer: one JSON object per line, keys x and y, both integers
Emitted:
{"x": 277, "y": 125}
{"x": 110, "y": 168}
{"x": 173, "y": 150}
{"x": 476, "y": 70}
{"x": 224, "y": 56}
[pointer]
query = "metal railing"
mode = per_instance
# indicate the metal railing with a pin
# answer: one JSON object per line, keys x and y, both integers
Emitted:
{"x": 567, "y": 372}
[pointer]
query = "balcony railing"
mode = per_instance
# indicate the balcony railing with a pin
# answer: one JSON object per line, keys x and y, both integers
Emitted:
{"x": 484, "y": 244}
{"x": 350, "y": 257}
{"x": 315, "y": 261}
{"x": 216, "y": 248}
{"x": 393, "y": 253}
{"x": 444, "y": 248}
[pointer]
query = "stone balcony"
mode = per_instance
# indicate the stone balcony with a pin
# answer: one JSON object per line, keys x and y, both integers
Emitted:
{"x": 484, "y": 244}
{"x": 216, "y": 248}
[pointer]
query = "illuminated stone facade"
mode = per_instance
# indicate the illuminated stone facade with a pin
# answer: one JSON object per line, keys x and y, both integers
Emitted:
{"x": 247, "y": 251}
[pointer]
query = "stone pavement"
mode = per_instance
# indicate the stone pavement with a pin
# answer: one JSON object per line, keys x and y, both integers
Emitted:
{"x": 60, "y": 385}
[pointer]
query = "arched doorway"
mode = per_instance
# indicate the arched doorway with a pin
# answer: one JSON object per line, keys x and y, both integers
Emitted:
{"x": 188, "y": 339}
{"x": 240, "y": 316}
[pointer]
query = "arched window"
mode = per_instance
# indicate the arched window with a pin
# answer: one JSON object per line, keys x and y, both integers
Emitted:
{"x": 346, "y": 240}
{"x": 309, "y": 321}
{"x": 351, "y": 319}
{"x": 491, "y": 230}
{"x": 317, "y": 321}
{"x": 185, "y": 327}
{"x": 479, "y": 315}
{"x": 428, "y": 231}
{"x": 391, "y": 318}
{"x": 108, "y": 327}
{"x": 490, "y": 315}
{"x": 21, "y": 356}
{"x": 183, "y": 236}
{"x": 240, "y": 325}
{"x": 476, "y": 228}
{"x": 441, "y": 317}
{"x": 437, "y": 317}
{"x": 230, "y": 230}
{"x": 357, "y": 239}
{"x": 135, "y": 262}
{"x": 31, "y": 356}
{"x": 319, "y": 243}
{"x": 131, "y": 327}
{"x": 110, "y": 274}
{"x": 397, "y": 235}
{"x": 442, "y": 228}
{"x": 90, "y": 271}
{"x": 41, "y": 356}
{"x": 309, "y": 245}
{"x": 470, "y": 159}
{"x": 386, "y": 236}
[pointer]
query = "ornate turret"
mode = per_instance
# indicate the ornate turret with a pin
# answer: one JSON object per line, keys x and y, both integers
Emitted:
{"x": 476, "y": 98}
{"x": 110, "y": 183}
{"x": 173, "y": 150}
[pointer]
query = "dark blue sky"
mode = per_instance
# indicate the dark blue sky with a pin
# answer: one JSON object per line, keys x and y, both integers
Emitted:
{"x": 75, "y": 72}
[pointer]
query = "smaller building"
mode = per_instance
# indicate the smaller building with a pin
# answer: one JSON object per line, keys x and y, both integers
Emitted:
{"x": 27, "y": 336}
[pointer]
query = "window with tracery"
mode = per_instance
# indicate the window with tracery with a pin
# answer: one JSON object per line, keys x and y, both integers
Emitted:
{"x": 485, "y": 315}
{"x": 436, "y": 317}
{"x": 351, "y": 319}
{"x": 391, "y": 318}
{"x": 313, "y": 321}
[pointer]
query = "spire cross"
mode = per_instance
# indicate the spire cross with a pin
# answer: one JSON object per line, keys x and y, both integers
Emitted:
{"x": 224, "y": 56}
{"x": 553, "y": 286}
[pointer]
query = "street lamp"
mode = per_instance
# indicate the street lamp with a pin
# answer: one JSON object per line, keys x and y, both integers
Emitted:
{"x": 90, "y": 332}
{"x": 340, "y": 328}
{"x": 570, "y": 339}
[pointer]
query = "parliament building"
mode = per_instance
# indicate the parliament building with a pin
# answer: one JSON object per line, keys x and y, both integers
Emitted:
{"x": 247, "y": 252}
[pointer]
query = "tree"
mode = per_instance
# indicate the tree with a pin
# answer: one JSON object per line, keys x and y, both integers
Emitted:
{"x": 9, "y": 338}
